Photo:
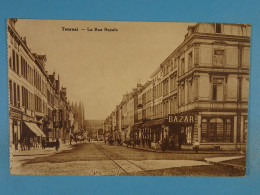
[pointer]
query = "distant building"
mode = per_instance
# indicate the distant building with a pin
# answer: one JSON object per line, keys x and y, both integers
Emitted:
{"x": 96, "y": 128}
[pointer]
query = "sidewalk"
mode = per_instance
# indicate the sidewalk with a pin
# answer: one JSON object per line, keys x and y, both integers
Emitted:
{"x": 40, "y": 151}
{"x": 18, "y": 158}
{"x": 183, "y": 151}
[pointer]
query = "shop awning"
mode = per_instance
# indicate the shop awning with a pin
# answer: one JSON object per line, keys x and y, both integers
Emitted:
{"x": 35, "y": 129}
{"x": 39, "y": 130}
{"x": 154, "y": 123}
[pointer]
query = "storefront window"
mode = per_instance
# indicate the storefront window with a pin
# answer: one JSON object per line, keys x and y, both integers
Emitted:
{"x": 245, "y": 132}
{"x": 204, "y": 128}
{"x": 216, "y": 130}
{"x": 188, "y": 135}
{"x": 228, "y": 134}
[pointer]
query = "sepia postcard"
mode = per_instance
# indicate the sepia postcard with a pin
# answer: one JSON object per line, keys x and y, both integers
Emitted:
{"x": 114, "y": 98}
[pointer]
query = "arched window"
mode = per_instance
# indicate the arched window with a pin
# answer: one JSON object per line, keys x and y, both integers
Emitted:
{"x": 215, "y": 132}
{"x": 204, "y": 130}
{"x": 228, "y": 133}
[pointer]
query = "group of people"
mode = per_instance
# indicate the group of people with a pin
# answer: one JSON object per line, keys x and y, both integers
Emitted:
{"x": 167, "y": 143}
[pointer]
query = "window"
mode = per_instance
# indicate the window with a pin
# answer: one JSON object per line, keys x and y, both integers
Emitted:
{"x": 190, "y": 94}
{"x": 190, "y": 60}
{"x": 217, "y": 90}
{"x": 204, "y": 130}
{"x": 215, "y": 133}
{"x": 17, "y": 63}
{"x": 174, "y": 82}
{"x": 11, "y": 92}
{"x": 13, "y": 57}
{"x": 182, "y": 99}
{"x": 25, "y": 96}
{"x": 10, "y": 62}
{"x": 182, "y": 65}
{"x": 22, "y": 96}
{"x": 173, "y": 105}
{"x": 18, "y": 96}
{"x": 217, "y": 130}
{"x": 167, "y": 87}
{"x": 218, "y": 28}
{"x": 171, "y": 83}
{"x": 218, "y": 57}
{"x": 22, "y": 66}
{"x": 228, "y": 133}
{"x": 171, "y": 64}
{"x": 245, "y": 131}
{"x": 15, "y": 97}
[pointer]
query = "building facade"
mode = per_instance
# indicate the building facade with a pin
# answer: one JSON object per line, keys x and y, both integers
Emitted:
{"x": 200, "y": 91}
{"x": 38, "y": 108}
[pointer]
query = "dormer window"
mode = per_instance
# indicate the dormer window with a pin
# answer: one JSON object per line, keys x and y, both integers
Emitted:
{"x": 218, "y": 28}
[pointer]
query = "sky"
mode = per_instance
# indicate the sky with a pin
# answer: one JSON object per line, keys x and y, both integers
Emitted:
{"x": 98, "y": 67}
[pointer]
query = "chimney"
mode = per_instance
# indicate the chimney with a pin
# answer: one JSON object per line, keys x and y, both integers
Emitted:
{"x": 24, "y": 40}
{"x": 139, "y": 86}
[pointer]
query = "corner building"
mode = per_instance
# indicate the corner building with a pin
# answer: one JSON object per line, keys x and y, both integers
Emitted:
{"x": 213, "y": 80}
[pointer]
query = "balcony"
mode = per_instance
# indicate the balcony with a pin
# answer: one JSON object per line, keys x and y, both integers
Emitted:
{"x": 214, "y": 106}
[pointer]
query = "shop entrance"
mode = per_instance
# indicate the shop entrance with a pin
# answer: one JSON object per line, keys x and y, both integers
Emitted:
{"x": 181, "y": 134}
{"x": 181, "y": 128}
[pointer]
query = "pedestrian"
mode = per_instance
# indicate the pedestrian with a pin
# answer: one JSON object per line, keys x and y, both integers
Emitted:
{"x": 164, "y": 142}
{"x": 149, "y": 143}
{"x": 196, "y": 146}
{"x": 28, "y": 143}
{"x": 127, "y": 141}
{"x": 57, "y": 144}
{"x": 71, "y": 137}
{"x": 139, "y": 142}
{"x": 159, "y": 145}
{"x": 43, "y": 143}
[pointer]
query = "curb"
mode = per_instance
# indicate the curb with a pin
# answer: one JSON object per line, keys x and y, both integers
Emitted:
{"x": 226, "y": 164}
{"x": 183, "y": 151}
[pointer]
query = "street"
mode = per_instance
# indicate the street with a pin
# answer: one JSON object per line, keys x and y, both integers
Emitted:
{"x": 97, "y": 158}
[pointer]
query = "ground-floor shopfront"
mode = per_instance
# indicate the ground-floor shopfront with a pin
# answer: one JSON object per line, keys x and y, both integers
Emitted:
{"x": 15, "y": 118}
{"x": 227, "y": 131}
{"x": 213, "y": 130}
{"x": 24, "y": 131}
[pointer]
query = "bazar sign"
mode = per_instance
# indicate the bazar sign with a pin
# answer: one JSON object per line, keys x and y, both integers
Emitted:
{"x": 181, "y": 119}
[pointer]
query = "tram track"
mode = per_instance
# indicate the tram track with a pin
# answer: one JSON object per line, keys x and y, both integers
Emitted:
{"x": 114, "y": 157}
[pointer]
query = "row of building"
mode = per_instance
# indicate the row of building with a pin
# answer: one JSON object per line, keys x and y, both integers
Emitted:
{"x": 38, "y": 105}
{"x": 199, "y": 92}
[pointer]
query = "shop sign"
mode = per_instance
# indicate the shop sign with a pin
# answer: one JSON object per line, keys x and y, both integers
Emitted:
{"x": 181, "y": 119}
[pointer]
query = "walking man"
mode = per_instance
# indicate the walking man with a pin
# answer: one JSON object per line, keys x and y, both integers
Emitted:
{"x": 57, "y": 144}
{"x": 43, "y": 143}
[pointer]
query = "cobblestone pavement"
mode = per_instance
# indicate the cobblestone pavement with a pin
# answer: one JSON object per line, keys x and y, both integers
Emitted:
{"x": 96, "y": 158}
